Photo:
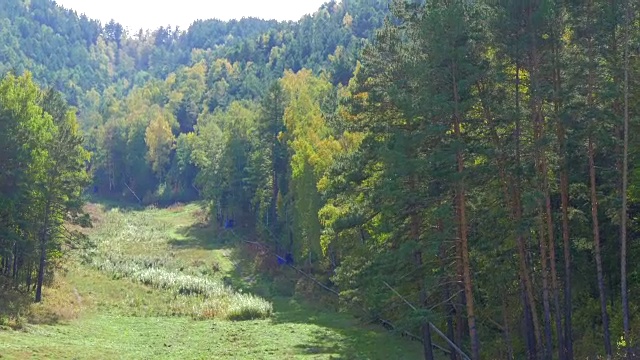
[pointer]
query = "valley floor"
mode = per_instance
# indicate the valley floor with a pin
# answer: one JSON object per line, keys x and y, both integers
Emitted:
{"x": 93, "y": 311}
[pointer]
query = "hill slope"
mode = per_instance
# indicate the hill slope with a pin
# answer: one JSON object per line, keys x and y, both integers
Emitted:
{"x": 75, "y": 54}
{"x": 92, "y": 313}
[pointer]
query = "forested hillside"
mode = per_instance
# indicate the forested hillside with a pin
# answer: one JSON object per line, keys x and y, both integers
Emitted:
{"x": 464, "y": 166}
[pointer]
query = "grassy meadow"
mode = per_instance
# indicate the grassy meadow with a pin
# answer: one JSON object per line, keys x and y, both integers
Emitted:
{"x": 161, "y": 283}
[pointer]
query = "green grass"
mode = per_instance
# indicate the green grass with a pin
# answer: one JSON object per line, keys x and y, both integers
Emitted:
{"x": 155, "y": 248}
{"x": 113, "y": 337}
{"x": 149, "y": 310}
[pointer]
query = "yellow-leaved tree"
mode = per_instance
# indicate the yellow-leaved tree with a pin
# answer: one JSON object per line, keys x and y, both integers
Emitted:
{"x": 160, "y": 140}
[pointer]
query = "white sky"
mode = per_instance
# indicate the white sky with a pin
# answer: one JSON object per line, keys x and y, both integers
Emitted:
{"x": 151, "y": 14}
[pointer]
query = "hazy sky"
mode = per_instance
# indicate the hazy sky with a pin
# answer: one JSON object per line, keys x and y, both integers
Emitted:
{"x": 151, "y": 14}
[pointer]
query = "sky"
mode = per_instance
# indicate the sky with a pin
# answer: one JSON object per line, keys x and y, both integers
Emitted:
{"x": 151, "y": 14}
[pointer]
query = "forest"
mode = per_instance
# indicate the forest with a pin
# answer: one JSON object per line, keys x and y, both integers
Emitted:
{"x": 465, "y": 167}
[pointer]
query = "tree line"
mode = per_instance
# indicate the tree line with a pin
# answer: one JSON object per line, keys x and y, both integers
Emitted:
{"x": 480, "y": 161}
{"x": 41, "y": 183}
{"x": 78, "y": 56}
{"x": 476, "y": 157}
{"x": 138, "y": 97}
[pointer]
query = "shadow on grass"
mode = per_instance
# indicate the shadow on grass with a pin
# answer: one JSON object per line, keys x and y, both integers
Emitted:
{"x": 129, "y": 203}
{"x": 14, "y": 305}
{"x": 200, "y": 236}
{"x": 340, "y": 334}
{"x": 16, "y": 309}
{"x": 208, "y": 236}
{"x": 110, "y": 204}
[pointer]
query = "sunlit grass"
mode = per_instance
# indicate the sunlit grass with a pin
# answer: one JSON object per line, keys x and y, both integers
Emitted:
{"x": 218, "y": 300}
{"x": 151, "y": 286}
{"x": 137, "y": 246}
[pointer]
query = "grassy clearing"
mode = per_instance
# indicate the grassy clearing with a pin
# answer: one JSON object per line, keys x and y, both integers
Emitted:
{"x": 152, "y": 287}
{"x": 113, "y": 337}
{"x": 214, "y": 299}
{"x": 141, "y": 246}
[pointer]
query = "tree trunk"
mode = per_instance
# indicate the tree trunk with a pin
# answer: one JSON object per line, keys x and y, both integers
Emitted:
{"x": 448, "y": 305}
{"x": 275, "y": 188}
{"x": 6, "y": 269}
{"x": 462, "y": 221}
{"x": 507, "y": 332}
{"x": 531, "y": 351}
{"x": 594, "y": 196}
{"x": 468, "y": 288}
{"x": 598, "y": 256}
{"x": 564, "y": 195}
{"x": 274, "y": 212}
{"x": 450, "y": 311}
{"x": 43, "y": 254}
{"x": 545, "y": 291}
{"x": 568, "y": 332}
{"x": 529, "y": 312}
{"x": 14, "y": 267}
{"x": 41, "y": 268}
{"x": 554, "y": 272}
{"x": 29, "y": 275}
{"x": 464, "y": 251}
{"x": 415, "y": 236}
{"x": 538, "y": 122}
{"x": 460, "y": 321}
{"x": 625, "y": 175}
{"x": 426, "y": 338}
{"x": 555, "y": 287}
{"x": 424, "y": 323}
{"x": 535, "y": 105}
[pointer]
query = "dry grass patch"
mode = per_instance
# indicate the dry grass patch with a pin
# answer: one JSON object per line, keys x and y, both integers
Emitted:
{"x": 62, "y": 303}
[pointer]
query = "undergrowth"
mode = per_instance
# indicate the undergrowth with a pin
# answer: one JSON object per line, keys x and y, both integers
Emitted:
{"x": 17, "y": 309}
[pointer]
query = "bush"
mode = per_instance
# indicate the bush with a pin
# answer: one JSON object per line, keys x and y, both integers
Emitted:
{"x": 249, "y": 307}
{"x": 211, "y": 309}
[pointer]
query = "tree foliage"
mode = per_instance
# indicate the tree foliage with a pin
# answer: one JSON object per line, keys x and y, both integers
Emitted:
{"x": 470, "y": 155}
{"x": 43, "y": 177}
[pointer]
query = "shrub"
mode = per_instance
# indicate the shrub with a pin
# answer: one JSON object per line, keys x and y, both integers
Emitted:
{"x": 249, "y": 307}
{"x": 211, "y": 308}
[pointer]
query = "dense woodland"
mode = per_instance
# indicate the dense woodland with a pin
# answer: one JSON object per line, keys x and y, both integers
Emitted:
{"x": 478, "y": 159}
